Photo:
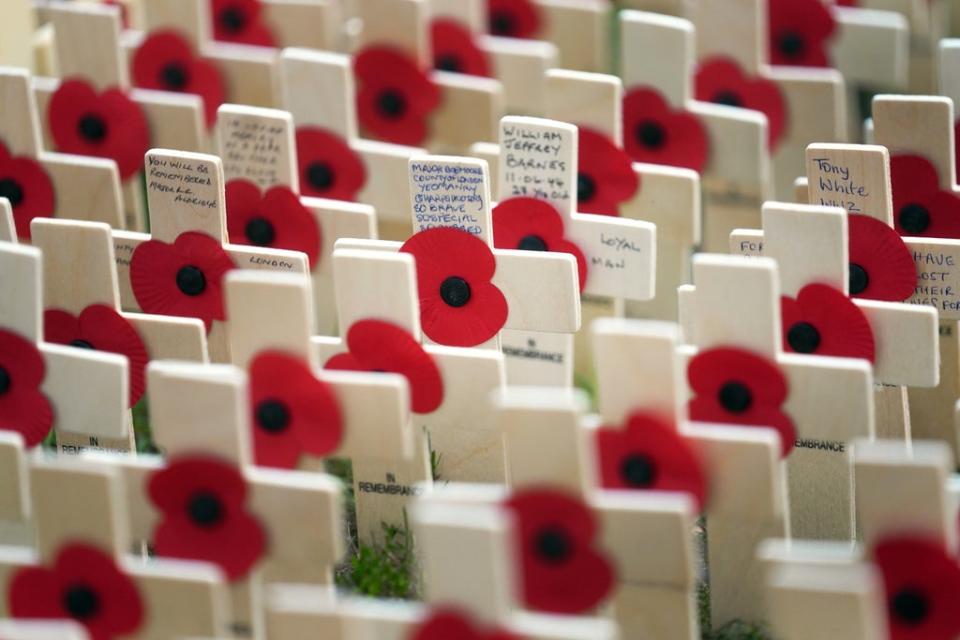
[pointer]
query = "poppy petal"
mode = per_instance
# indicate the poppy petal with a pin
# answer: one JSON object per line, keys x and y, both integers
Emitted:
{"x": 823, "y": 321}
{"x": 799, "y": 30}
{"x": 606, "y": 177}
{"x": 920, "y": 207}
{"x": 329, "y": 168}
{"x": 28, "y": 188}
{"x": 513, "y": 18}
{"x": 881, "y": 265}
{"x": 655, "y": 134}
{"x": 454, "y": 49}
{"x": 241, "y": 22}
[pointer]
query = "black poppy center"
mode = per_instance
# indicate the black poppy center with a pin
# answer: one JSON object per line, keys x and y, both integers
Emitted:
{"x": 273, "y": 416}
{"x": 81, "y": 344}
{"x": 791, "y": 44}
{"x": 553, "y": 545}
{"x": 260, "y": 231}
{"x": 638, "y": 470}
{"x": 448, "y": 62}
{"x": 392, "y": 104}
{"x": 586, "y": 187}
{"x": 81, "y": 602}
{"x": 11, "y": 190}
{"x": 205, "y": 509}
{"x": 233, "y": 19}
{"x": 735, "y": 397}
{"x": 650, "y": 134}
{"x": 92, "y": 127}
{"x": 191, "y": 281}
{"x": 502, "y": 24}
{"x": 5, "y": 381}
{"x": 727, "y": 97}
{"x": 803, "y": 337}
{"x": 859, "y": 279}
{"x": 532, "y": 243}
{"x": 174, "y": 76}
{"x": 910, "y": 606}
{"x": 320, "y": 175}
{"x": 914, "y": 218}
{"x": 455, "y": 291}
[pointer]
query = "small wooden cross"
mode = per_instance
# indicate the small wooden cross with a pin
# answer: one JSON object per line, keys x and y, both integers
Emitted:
{"x": 14, "y": 495}
{"x": 8, "y": 230}
{"x": 17, "y": 47}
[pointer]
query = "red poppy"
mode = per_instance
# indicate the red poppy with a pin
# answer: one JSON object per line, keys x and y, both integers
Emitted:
{"x": 394, "y": 96}
{"x": 105, "y": 125}
{"x": 450, "y": 624}
{"x": 881, "y": 265}
{"x": 922, "y": 585}
{"x": 722, "y": 81}
{"x": 648, "y": 453}
{"x": 735, "y": 386}
{"x": 532, "y": 224}
{"x": 240, "y": 21}
{"x": 27, "y": 186}
{"x": 376, "y": 345}
{"x": 167, "y": 62}
{"x": 824, "y": 322}
{"x": 605, "y": 175}
{"x": 202, "y": 502}
{"x": 513, "y": 18}
{"x": 329, "y": 168}
{"x": 920, "y": 207}
{"x": 455, "y": 50}
{"x": 561, "y": 570}
{"x": 799, "y": 30}
{"x": 85, "y": 585}
{"x": 23, "y": 408}
{"x": 656, "y": 134}
{"x": 459, "y": 305}
{"x": 181, "y": 279}
{"x": 275, "y": 219}
{"x": 292, "y": 411}
{"x": 100, "y": 327}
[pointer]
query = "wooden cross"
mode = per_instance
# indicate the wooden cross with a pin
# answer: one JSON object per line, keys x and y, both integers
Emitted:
{"x": 480, "y": 535}
{"x": 76, "y": 503}
{"x": 14, "y": 496}
{"x": 579, "y": 31}
{"x": 257, "y": 147}
{"x": 41, "y": 630}
{"x": 17, "y": 47}
{"x": 829, "y": 400}
{"x": 84, "y": 188}
{"x": 8, "y": 230}
{"x": 185, "y": 192}
{"x": 374, "y": 409}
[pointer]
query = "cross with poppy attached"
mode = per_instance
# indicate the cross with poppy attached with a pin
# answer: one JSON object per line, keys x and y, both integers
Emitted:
{"x": 178, "y": 269}
{"x": 265, "y": 203}
{"x": 38, "y": 183}
{"x": 299, "y": 414}
{"x": 457, "y": 521}
{"x": 78, "y": 566}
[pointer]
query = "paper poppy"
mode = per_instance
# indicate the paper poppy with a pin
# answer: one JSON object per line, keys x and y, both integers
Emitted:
{"x": 85, "y": 585}
{"x": 823, "y": 321}
{"x": 101, "y": 328}
{"x": 656, "y": 134}
{"x": 395, "y": 96}
{"x": 181, "y": 279}
{"x": 23, "y": 407}
{"x": 881, "y": 265}
{"x": 649, "y": 454}
{"x": 375, "y": 345}
{"x": 25, "y": 183}
{"x": 722, "y": 81}
{"x": 451, "y": 624}
{"x": 735, "y": 386}
{"x": 292, "y": 411}
{"x": 532, "y": 224}
{"x": 203, "y": 515}
{"x": 329, "y": 168}
{"x": 167, "y": 62}
{"x": 241, "y": 22}
{"x": 799, "y": 31}
{"x": 106, "y": 125}
{"x": 275, "y": 219}
{"x": 455, "y": 50}
{"x": 922, "y": 585}
{"x": 605, "y": 175}
{"x": 459, "y": 305}
{"x": 561, "y": 570}
{"x": 920, "y": 207}
{"x": 513, "y": 18}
